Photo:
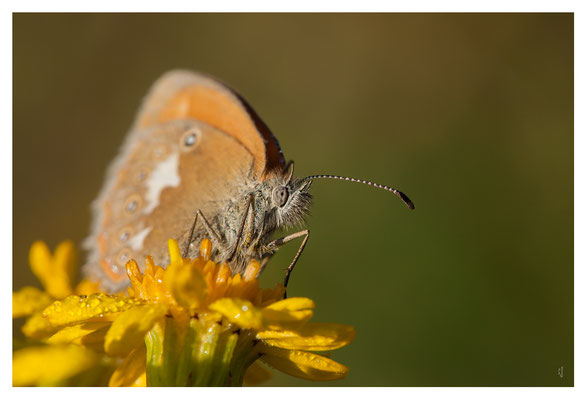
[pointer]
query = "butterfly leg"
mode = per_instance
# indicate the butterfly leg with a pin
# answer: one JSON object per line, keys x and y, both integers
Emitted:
{"x": 280, "y": 242}
{"x": 250, "y": 207}
{"x": 191, "y": 235}
{"x": 208, "y": 227}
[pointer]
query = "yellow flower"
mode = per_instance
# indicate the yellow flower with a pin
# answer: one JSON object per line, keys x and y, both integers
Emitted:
{"x": 56, "y": 366}
{"x": 195, "y": 324}
{"x": 56, "y": 272}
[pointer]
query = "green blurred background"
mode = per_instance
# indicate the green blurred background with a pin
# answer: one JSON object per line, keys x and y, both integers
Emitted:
{"x": 470, "y": 115}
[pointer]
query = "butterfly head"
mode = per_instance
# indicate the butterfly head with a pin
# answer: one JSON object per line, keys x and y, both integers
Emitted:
{"x": 288, "y": 198}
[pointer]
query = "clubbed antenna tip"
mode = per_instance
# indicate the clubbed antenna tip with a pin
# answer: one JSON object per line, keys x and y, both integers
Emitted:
{"x": 399, "y": 194}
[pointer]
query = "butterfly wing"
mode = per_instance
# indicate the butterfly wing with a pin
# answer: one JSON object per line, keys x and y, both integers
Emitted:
{"x": 194, "y": 145}
{"x": 185, "y": 94}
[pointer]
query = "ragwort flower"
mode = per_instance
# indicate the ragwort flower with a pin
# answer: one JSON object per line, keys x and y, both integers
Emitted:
{"x": 195, "y": 324}
{"x": 56, "y": 272}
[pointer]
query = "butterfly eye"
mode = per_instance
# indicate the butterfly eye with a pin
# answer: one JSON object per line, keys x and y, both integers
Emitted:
{"x": 280, "y": 196}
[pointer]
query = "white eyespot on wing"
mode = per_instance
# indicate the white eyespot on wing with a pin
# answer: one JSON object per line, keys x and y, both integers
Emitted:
{"x": 136, "y": 242}
{"x": 165, "y": 174}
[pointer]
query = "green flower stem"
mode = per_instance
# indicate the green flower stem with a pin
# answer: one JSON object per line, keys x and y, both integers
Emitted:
{"x": 222, "y": 361}
{"x": 244, "y": 356}
{"x": 170, "y": 348}
{"x": 162, "y": 356}
{"x": 154, "y": 343}
{"x": 184, "y": 365}
{"x": 203, "y": 352}
{"x": 212, "y": 353}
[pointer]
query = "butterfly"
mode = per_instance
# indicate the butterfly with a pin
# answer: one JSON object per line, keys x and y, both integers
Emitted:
{"x": 197, "y": 163}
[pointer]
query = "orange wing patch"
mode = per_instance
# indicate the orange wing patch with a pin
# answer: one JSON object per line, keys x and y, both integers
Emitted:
{"x": 182, "y": 94}
{"x": 217, "y": 109}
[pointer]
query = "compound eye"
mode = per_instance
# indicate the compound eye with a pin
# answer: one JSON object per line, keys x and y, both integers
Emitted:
{"x": 280, "y": 196}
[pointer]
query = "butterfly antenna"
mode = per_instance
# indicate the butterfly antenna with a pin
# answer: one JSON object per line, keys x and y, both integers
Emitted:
{"x": 399, "y": 194}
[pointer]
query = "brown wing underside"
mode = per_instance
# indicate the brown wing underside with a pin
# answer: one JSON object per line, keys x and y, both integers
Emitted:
{"x": 241, "y": 146}
{"x": 188, "y": 95}
{"x": 135, "y": 222}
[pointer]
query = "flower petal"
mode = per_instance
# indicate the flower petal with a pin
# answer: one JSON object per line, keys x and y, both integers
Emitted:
{"x": 310, "y": 337}
{"x": 132, "y": 371}
{"x": 256, "y": 374}
{"x": 64, "y": 259}
{"x": 269, "y": 296}
{"x": 87, "y": 287}
{"x": 29, "y": 300}
{"x": 292, "y": 304}
{"x": 239, "y": 311}
{"x": 302, "y": 364}
{"x": 50, "y": 365}
{"x": 55, "y": 272}
{"x": 37, "y": 327}
{"x": 174, "y": 252}
{"x": 129, "y": 329}
{"x": 184, "y": 280}
{"x": 75, "y": 333}
{"x": 285, "y": 312}
{"x": 75, "y": 309}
